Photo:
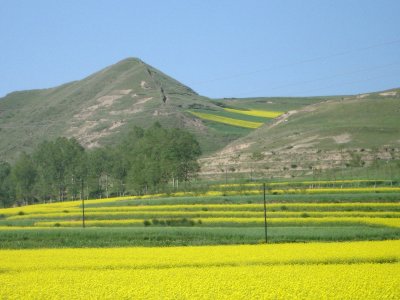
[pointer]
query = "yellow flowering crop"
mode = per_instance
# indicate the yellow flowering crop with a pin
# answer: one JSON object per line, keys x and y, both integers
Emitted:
{"x": 351, "y": 270}
{"x": 337, "y": 190}
{"x": 256, "y": 113}
{"x": 95, "y": 223}
{"x": 293, "y": 221}
{"x": 226, "y": 120}
{"x": 308, "y": 182}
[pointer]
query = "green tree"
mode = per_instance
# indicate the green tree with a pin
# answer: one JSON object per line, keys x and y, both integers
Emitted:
{"x": 161, "y": 155}
{"x": 61, "y": 168}
{"x": 99, "y": 168}
{"x": 181, "y": 154}
{"x": 24, "y": 175}
{"x": 7, "y": 190}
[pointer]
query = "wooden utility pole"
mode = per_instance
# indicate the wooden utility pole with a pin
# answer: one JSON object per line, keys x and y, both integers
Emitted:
{"x": 265, "y": 217}
{"x": 83, "y": 212}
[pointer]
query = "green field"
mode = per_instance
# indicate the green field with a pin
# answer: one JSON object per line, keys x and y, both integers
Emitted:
{"x": 203, "y": 219}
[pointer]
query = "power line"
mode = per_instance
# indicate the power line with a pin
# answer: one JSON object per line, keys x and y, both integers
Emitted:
{"x": 317, "y": 58}
{"x": 347, "y": 83}
{"x": 325, "y": 78}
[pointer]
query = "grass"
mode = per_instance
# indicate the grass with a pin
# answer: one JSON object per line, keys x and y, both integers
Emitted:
{"x": 243, "y": 199}
{"x": 182, "y": 236}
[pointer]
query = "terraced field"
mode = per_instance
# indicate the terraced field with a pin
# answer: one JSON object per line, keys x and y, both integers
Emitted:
{"x": 352, "y": 236}
{"x": 249, "y": 118}
{"x": 229, "y": 214}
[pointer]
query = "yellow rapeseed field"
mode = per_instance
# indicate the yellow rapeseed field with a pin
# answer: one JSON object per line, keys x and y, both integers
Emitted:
{"x": 226, "y": 120}
{"x": 308, "y": 182}
{"x": 256, "y": 113}
{"x": 350, "y": 270}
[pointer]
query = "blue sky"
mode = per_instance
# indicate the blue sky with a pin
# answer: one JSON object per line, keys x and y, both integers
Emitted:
{"x": 218, "y": 48}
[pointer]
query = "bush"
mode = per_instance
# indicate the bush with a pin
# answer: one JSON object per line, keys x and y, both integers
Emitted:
{"x": 172, "y": 222}
{"x": 146, "y": 223}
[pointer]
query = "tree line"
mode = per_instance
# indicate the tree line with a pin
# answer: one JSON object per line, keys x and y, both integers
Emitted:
{"x": 144, "y": 161}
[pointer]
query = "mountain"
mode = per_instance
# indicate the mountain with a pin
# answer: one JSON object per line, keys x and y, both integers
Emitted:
{"x": 99, "y": 109}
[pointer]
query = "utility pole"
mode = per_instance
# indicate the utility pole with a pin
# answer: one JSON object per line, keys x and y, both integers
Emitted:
{"x": 265, "y": 216}
{"x": 83, "y": 213}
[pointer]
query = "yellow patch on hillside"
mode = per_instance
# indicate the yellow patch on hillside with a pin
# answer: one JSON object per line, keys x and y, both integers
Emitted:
{"x": 256, "y": 113}
{"x": 226, "y": 120}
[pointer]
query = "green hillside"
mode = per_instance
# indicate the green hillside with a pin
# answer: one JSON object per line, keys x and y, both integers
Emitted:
{"x": 341, "y": 132}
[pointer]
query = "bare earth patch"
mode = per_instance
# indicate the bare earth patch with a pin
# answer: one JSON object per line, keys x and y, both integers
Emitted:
{"x": 283, "y": 118}
{"x": 307, "y": 142}
{"x": 234, "y": 148}
{"x": 394, "y": 93}
{"x": 105, "y": 101}
{"x": 123, "y": 92}
{"x": 342, "y": 138}
{"x": 135, "y": 108}
{"x": 116, "y": 125}
{"x": 144, "y": 85}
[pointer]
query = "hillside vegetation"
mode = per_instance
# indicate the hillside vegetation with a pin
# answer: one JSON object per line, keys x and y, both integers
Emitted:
{"x": 359, "y": 131}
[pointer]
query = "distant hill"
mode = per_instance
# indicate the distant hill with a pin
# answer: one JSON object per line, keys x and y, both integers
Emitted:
{"x": 335, "y": 133}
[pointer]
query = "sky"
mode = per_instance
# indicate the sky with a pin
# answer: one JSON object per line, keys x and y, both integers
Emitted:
{"x": 218, "y": 48}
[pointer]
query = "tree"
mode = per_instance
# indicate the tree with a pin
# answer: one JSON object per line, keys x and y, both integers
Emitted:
{"x": 99, "y": 168}
{"x": 181, "y": 154}
{"x": 7, "y": 191}
{"x": 61, "y": 167}
{"x": 24, "y": 175}
{"x": 160, "y": 155}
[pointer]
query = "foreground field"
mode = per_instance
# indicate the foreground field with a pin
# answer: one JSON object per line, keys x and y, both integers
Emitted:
{"x": 352, "y": 270}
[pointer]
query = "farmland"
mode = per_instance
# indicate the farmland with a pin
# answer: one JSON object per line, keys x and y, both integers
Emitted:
{"x": 353, "y": 270}
{"x": 228, "y": 214}
{"x": 326, "y": 239}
